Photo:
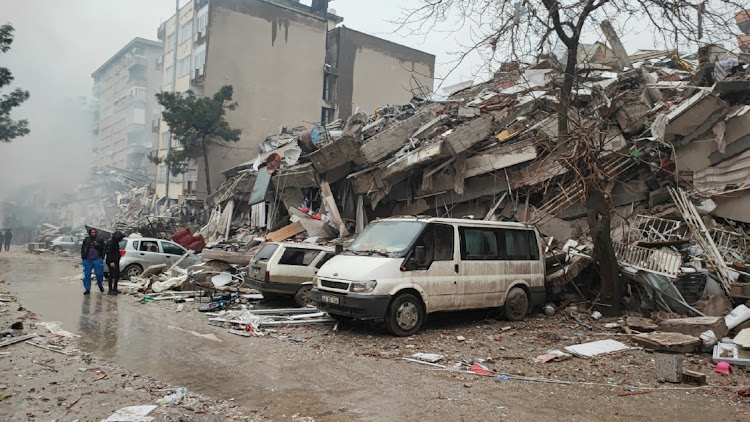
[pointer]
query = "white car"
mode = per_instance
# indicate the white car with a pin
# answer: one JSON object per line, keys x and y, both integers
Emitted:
{"x": 139, "y": 253}
{"x": 64, "y": 243}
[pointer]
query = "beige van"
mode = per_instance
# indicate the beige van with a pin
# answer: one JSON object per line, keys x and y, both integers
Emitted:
{"x": 400, "y": 269}
{"x": 287, "y": 269}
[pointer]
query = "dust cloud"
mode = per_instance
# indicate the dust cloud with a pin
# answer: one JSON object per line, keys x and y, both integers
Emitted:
{"x": 56, "y": 48}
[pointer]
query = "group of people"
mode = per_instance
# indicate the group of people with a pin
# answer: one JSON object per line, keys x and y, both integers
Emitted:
{"x": 95, "y": 252}
{"x": 5, "y": 240}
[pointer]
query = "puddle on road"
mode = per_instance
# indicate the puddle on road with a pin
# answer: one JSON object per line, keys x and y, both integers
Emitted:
{"x": 113, "y": 328}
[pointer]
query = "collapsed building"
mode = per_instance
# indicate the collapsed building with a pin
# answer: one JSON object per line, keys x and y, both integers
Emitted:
{"x": 668, "y": 133}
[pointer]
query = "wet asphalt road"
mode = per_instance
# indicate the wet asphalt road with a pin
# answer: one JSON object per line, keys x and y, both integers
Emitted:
{"x": 330, "y": 382}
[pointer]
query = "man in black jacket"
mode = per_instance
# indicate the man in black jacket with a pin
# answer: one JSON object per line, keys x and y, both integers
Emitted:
{"x": 92, "y": 252}
{"x": 112, "y": 259}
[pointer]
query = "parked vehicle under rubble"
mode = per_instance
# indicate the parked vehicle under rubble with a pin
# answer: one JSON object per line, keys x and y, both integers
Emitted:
{"x": 398, "y": 270}
{"x": 287, "y": 269}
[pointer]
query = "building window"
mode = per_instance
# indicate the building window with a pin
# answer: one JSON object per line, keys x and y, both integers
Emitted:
{"x": 202, "y": 20}
{"x": 165, "y": 138}
{"x": 169, "y": 74}
{"x": 171, "y": 42}
{"x": 200, "y": 58}
{"x": 329, "y": 88}
{"x": 161, "y": 175}
{"x": 184, "y": 67}
{"x": 327, "y": 115}
{"x": 176, "y": 143}
{"x": 186, "y": 31}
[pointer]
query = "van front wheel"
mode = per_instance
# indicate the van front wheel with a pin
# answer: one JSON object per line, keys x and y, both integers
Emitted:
{"x": 405, "y": 315}
{"x": 516, "y": 304}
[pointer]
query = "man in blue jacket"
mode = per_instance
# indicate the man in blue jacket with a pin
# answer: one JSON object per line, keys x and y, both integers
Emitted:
{"x": 92, "y": 252}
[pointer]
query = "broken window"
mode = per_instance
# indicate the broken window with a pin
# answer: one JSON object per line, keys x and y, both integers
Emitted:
{"x": 303, "y": 257}
{"x": 265, "y": 253}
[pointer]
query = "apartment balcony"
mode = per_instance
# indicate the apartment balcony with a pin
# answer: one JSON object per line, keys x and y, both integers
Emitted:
{"x": 199, "y": 76}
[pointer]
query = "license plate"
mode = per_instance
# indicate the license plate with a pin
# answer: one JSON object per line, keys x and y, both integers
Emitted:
{"x": 330, "y": 299}
{"x": 256, "y": 270}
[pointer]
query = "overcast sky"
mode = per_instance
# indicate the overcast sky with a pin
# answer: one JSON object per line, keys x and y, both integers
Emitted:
{"x": 59, "y": 43}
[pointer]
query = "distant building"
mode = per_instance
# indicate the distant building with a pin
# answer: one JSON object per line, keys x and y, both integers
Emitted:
{"x": 125, "y": 86}
{"x": 367, "y": 72}
{"x": 273, "y": 53}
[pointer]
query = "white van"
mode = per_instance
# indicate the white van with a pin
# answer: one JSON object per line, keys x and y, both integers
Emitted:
{"x": 400, "y": 269}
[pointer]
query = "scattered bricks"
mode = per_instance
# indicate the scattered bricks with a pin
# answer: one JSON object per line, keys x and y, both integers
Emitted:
{"x": 668, "y": 366}
{"x": 693, "y": 377}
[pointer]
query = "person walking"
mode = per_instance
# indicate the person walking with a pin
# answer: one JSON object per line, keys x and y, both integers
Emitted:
{"x": 92, "y": 252}
{"x": 8, "y": 237}
{"x": 112, "y": 259}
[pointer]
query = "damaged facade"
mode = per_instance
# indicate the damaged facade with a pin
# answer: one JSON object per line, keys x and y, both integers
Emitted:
{"x": 246, "y": 42}
{"x": 672, "y": 145}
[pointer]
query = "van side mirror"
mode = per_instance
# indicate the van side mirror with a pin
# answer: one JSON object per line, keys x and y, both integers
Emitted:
{"x": 420, "y": 255}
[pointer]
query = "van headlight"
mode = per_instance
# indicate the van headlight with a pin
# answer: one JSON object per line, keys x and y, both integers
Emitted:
{"x": 316, "y": 282}
{"x": 363, "y": 286}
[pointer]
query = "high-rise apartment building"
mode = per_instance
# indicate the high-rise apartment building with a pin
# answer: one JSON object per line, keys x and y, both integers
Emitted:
{"x": 125, "y": 88}
{"x": 289, "y": 66}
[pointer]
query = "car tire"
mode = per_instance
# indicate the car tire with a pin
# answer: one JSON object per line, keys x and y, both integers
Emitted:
{"x": 303, "y": 297}
{"x": 132, "y": 270}
{"x": 516, "y": 304}
{"x": 405, "y": 315}
{"x": 270, "y": 296}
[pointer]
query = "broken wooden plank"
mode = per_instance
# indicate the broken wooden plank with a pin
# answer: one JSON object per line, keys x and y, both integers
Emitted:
{"x": 285, "y": 232}
{"x": 333, "y": 209}
{"x": 51, "y": 349}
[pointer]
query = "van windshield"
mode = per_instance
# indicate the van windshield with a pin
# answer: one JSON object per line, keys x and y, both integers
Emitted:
{"x": 387, "y": 237}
